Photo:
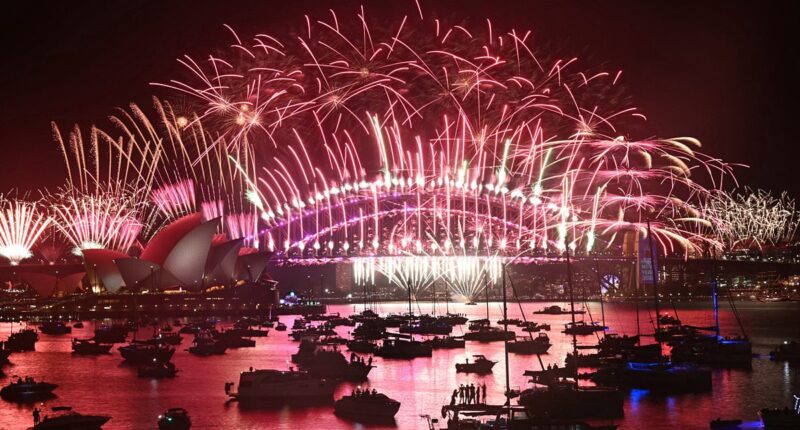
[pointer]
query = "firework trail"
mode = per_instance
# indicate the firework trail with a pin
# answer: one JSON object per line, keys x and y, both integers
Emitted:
{"x": 752, "y": 218}
{"x": 428, "y": 139}
{"x": 21, "y": 225}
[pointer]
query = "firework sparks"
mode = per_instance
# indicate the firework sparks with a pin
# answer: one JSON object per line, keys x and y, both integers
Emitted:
{"x": 21, "y": 225}
{"x": 452, "y": 140}
{"x": 753, "y": 218}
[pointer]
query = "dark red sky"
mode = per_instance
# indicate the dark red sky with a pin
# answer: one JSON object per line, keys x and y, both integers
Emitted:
{"x": 725, "y": 72}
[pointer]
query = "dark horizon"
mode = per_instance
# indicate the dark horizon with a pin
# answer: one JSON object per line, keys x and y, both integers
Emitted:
{"x": 718, "y": 71}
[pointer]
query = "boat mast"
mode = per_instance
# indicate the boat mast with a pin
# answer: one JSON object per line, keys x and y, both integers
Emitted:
{"x": 571, "y": 305}
{"x": 433, "y": 290}
{"x": 486, "y": 280}
{"x": 654, "y": 271}
{"x": 714, "y": 296}
{"x": 600, "y": 285}
{"x": 505, "y": 343}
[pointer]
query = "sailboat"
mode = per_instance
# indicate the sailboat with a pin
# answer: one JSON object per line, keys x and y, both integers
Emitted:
{"x": 555, "y": 392}
{"x": 662, "y": 375}
{"x": 715, "y": 349}
{"x": 482, "y": 330}
{"x": 555, "y": 407}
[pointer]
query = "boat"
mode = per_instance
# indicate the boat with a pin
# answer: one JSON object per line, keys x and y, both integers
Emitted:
{"x": 782, "y": 419}
{"x": 453, "y": 319}
{"x": 145, "y": 353}
{"x": 489, "y": 334}
{"x": 720, "y": 424}
{"x": 555, "y": 392}
{"x": 275, "y": 387}
{"x": 556, "y": 396}
{"x": 426, "y": 326}
{"x": 55, "y": 328}
{"x": 363, "y": 346}
{"x": 4, "y": 353}
{"x": 714, "y": 350}
{"x": 367, "y": 406}
{"x": 90, "y": 347}
{"x": 77, "y": 324}
{"x": 233, "y": 339}
{"x": 23, "y": 340}
{"x": 27, "y": 389}
{"x": 507, "y": 417}
{"x": 157, "y": 369}
{"x": 64, "y": 418}
{"x": 115, "y": 333}
{"x": 557, "y": 310}
{"x": 445, "y": 342}
{"x": 404, "y": 347}
{"x": 531, "y": 326}
{"x": 581, "y": 328}
{"x": 204, "y": 344}
{"x": 174, "y": 419}
{"x": 481, "y": 365}
{"x": 280, "y": 326}
{"x": 662, "y": 376}
{"x": 524, "y": 345}
{"x": 166, "y": 339}
{"x": 789, "y": 351}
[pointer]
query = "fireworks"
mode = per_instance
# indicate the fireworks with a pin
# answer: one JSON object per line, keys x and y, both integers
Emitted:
{"x": 441, "y": 141}
{"x": 424, "y": 151}
{"x": 753, "y": 218}
{"x": 20, "y": 227}
{"x": 97, "y": 222}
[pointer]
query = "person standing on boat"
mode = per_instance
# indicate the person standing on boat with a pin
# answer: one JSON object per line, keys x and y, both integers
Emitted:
{"x": 36, "y": 416}
{"x": 483, "y": 388}
{"x": 461, "y": 394}
{"x": 453, "y": 397}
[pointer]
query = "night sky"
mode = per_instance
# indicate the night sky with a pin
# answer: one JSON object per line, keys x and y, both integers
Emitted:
{"x": 725, "y": 72}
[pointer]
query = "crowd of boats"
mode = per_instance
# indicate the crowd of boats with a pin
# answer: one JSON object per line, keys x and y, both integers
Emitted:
{"x": 591, "y": 384}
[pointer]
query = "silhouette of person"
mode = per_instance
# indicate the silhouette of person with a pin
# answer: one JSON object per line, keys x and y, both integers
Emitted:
{"x": 36, "y": 416}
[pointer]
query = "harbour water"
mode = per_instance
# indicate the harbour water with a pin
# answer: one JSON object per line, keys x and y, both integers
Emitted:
{"x": 104, "y": 385}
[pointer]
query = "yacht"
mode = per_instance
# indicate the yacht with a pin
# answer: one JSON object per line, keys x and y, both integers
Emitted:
{"x": 402, "y": 346}
{"x": 204, "y": 344}
{"x": 471, "y": 417}
{"x": 280, "y": 386}
{"x": 115, "y": 333}
{"x": 23, "y": 340}
{"x": 663, "y": 376}
{"x": 27, "y": 389}
{"x": 64, "y": 418}
{"x": 557, "y": 397}
{"x": 557, "y": 310}
{"x": 174, "y": 419}
{"x": 234, "y": 339}
{"x": 789, "y": 351}
{"x": 782, "y": 419}
{"x": 524, "y": 345}
{"x": 145, "y": 353}
{"x": 714, "y": 350}
{"x": 363, "y": 346}
{"x": 480, "y": 365}
{"x": 489, "y": 334}
{"x": 90, "y": 347}
{"x": 581, "y": 328}
{"x": 55, "y": 328}
{"x": 368, "y": 406}
{"x": 446, "y": 342}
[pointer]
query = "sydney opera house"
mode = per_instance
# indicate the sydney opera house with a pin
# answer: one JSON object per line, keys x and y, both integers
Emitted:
{"x": 186, "y": 266}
